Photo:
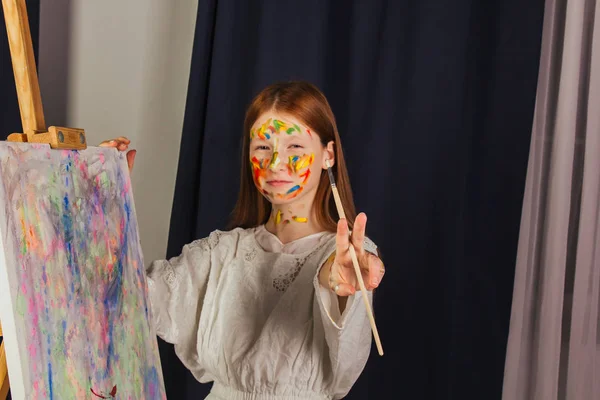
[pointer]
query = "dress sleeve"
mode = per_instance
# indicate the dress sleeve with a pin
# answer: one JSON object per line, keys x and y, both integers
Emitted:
{"x": 348, "y": 335}
{"x": 176, "y": 290}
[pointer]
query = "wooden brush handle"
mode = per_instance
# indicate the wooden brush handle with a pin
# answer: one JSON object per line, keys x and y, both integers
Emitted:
{"x": 24, "y": 68}
{"x": 338, "y": 202}
{"x": 361, "y": 283}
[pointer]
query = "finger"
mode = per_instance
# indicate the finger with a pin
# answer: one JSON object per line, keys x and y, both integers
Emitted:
{"x": 343, "y": 289}
{"x": 358, "y": 234}
{"x": 130, "y": 159}
{"x": 374, "y": 273}
{"x": 109, "y": 143}
{"x": 341, "y": 238}
{"x": 119, "y": 144}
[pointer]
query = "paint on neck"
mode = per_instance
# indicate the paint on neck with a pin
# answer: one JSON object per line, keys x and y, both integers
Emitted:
{"x": 280, "y": 217}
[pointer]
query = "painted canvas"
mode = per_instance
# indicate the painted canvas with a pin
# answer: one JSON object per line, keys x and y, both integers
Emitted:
{"x": 73, "y": 292}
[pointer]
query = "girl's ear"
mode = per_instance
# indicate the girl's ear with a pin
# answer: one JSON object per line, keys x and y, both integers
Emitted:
{"x": 328, "y": 154}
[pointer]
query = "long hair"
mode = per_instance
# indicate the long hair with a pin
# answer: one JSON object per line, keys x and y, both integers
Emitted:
{"x": 308, "y": 104}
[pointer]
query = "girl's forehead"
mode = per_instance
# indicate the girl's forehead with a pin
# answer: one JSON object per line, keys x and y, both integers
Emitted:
{"x": 276, "y": 123}
{"x": 263, "y": 118}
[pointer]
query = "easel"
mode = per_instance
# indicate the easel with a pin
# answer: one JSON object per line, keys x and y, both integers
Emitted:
{"x": 32, "y": 113}
{"x": 3, "y": 371}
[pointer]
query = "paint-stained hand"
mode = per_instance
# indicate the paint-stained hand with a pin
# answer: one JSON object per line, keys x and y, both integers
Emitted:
{"x": 342, "y": 278}
{"x": 122, "y": 144}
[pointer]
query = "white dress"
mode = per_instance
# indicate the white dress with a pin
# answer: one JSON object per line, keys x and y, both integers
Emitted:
{"x": 248, "y": 313}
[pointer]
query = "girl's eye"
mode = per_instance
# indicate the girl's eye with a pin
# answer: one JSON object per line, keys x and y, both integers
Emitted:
{"x": 262, "y": 148}
{"x": 296, "y": 146}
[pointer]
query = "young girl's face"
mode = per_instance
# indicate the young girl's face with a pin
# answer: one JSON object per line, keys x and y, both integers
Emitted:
{"x": 286, "y": 157}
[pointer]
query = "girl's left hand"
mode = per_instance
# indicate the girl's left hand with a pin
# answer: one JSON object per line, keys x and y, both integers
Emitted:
{"x": 342, "y": 278}
{"x": 122, "y": 143}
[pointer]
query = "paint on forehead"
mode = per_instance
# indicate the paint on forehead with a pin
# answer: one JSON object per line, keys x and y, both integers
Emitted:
{"x": 274, "y": 126}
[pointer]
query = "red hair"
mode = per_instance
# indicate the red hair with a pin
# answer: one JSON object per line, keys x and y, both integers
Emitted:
{"x": 308, "y": 104}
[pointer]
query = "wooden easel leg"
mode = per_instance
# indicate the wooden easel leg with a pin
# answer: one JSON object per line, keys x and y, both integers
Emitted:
{"x": 3, "y": 371}
{"x": 3, "y": 374}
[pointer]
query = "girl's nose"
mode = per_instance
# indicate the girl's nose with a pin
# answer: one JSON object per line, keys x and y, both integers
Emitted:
{"x": 275, "y": 163}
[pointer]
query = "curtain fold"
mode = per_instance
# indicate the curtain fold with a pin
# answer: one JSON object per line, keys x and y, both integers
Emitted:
{"x": 553, "y": 347}
{"x": 10, "y": 117}
{"x": 434, "y": 102}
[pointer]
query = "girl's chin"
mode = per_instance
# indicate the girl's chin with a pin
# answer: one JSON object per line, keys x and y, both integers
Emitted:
{"x": 289, "y": 195}
{"x": 275, "y": 198}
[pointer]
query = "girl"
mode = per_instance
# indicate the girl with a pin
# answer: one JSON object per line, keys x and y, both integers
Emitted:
{"x": 269, "y": 309}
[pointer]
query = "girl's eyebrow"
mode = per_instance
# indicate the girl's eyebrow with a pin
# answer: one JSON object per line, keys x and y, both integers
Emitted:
{"x": 260, "y": 140}
{"x": 296, "y": 136}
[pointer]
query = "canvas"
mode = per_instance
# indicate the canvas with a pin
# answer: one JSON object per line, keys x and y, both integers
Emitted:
{"x": 73, "y": 292}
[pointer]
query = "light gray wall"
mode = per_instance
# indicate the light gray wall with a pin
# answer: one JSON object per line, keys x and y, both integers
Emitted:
{"x": 126, "y": 70}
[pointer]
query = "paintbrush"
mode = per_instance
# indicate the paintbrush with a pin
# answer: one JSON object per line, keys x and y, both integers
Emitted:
{"x": 340, "y": 210}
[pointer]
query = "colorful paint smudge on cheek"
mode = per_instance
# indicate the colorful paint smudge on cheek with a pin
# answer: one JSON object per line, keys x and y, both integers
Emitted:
{"x": 259, "y": 172}
{"x": 299, "y": 165}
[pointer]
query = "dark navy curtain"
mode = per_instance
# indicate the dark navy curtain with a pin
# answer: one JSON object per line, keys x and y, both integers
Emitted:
{"x": 434, "y": 101}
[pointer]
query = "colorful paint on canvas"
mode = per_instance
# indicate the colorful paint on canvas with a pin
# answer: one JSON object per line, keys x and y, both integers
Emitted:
{"x": 72, "y": 254}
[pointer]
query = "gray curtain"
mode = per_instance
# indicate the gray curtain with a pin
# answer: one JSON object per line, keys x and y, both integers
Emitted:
{"x": 553, "y": 347}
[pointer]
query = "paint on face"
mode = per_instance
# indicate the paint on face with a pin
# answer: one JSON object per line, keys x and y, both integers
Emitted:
{"x": 305, "y": 175}
{"x": 274, "y": 126}
{"x": 259, "y": 172}
{"x": 275, "y": 161}
{"x": 297, "y": 164}
{"x": 290, "y": 194}
{"x": 299, "y": 219}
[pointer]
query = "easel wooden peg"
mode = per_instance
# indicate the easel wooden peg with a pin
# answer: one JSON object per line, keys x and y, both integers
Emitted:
{"x": 28, "y": 88}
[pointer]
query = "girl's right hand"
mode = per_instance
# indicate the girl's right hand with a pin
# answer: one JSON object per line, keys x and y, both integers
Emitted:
{"x": 122, "y": 144}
